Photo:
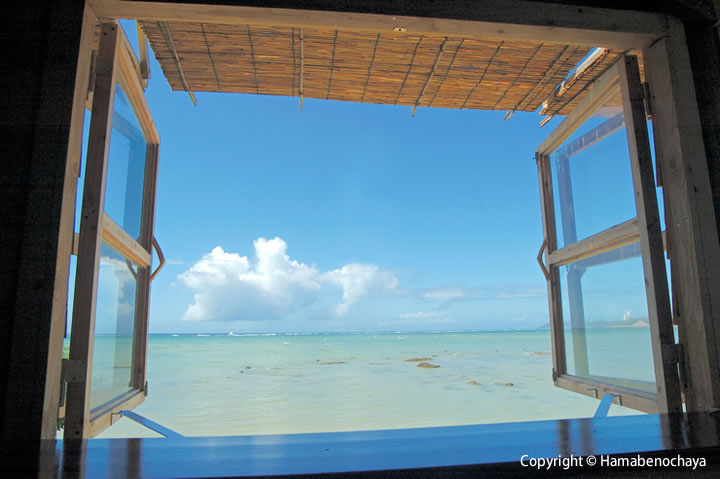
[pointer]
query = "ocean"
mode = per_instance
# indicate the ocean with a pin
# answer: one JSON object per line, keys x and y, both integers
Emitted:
{"x": 246, "y": 384}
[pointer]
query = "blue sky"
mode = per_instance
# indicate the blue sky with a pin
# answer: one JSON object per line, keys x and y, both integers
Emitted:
{"x": 343, "y": 216}
{"x": 444, "y": 201}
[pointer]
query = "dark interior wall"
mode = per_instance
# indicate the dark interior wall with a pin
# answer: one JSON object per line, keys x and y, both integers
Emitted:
{"x": 465, "y": 9}
{"x": 704, "y": 47}
{"x": 36, "y": 94}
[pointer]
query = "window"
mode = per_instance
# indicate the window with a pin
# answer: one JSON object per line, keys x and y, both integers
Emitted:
{"x": 606, "y": 275}
{"x": 106, "y": 365}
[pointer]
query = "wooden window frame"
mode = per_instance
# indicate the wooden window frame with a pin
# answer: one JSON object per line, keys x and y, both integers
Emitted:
{"x": 679, "y": 146}
{"x": 644, "y": 229}
{"x": 115, "y": 65}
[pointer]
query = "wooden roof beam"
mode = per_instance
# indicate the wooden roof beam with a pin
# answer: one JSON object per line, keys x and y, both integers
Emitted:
{"x": 510, "y": 20}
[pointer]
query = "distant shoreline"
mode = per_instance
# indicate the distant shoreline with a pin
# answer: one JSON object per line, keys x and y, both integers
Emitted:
{"x": 638, "y": 323}
{"x": 350, "y": 333}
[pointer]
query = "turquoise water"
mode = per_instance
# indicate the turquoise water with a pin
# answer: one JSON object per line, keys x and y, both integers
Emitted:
{"x": 299, "y": 383}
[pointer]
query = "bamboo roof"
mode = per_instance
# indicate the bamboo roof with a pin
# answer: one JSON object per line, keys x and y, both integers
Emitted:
{"x": 389, "y": 67}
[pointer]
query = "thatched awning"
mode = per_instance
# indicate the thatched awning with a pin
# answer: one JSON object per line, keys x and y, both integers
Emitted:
{"x": 391, "y": 68}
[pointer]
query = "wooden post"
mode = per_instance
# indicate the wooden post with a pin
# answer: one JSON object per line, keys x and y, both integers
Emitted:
{"x": 142, "y": 300}
{"x": 703, "y": 42}
{"x": 656, "y": 286}
{"x": 83, "y": 330}
{"x": 692, "y": 232}
{"x": 144, "y": 57}
{"x": 557, "y": 332}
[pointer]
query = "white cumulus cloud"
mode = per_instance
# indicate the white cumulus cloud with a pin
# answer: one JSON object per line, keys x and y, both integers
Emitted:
{"x": 357, "y": 280}
{"x": 228, "y": 286}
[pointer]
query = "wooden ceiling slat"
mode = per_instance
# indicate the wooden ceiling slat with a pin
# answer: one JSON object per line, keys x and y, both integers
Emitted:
{"x": 373, "y": 68}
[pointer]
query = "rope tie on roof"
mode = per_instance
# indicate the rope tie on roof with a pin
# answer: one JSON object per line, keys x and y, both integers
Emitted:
{"x": 515, "y": 80}
{"x": 294, "y": 62}
{"x": 407, "y": 74}
{"x": 332, "y": 66}
{"x": 487, "y": 67}
{"x": 429, "y": 78}
{"x": 212, "y": 61}
{"x": 372, "y": 60}
{"x": 252, "y": 57}
{"x": 302, "y": 65}
{"x": 557, "y": 66}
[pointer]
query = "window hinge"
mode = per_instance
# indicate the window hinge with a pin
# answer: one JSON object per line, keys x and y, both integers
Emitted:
{"x": 74, "y": 370}
{"x": 647, "y": 101}
{"x": 554, "y": 375}
{"x": 146, "y": 388}
{"x": 71, "y": 371}
{"x": 63, "y": 384}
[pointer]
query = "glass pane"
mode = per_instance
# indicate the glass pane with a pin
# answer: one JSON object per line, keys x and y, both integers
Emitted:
{"x": 81, "y": 178}
{"x": 72, "y": 270}
{"x": 607, "y": 332}
{"x": 126, "y": 167}
{"x": 114, "y": 324}
{"x": 660, "y": 199}
{"x": 592, "y": 177}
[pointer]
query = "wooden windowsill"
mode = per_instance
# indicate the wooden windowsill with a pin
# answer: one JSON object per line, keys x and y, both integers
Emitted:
{"x": 429, "y": 452}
